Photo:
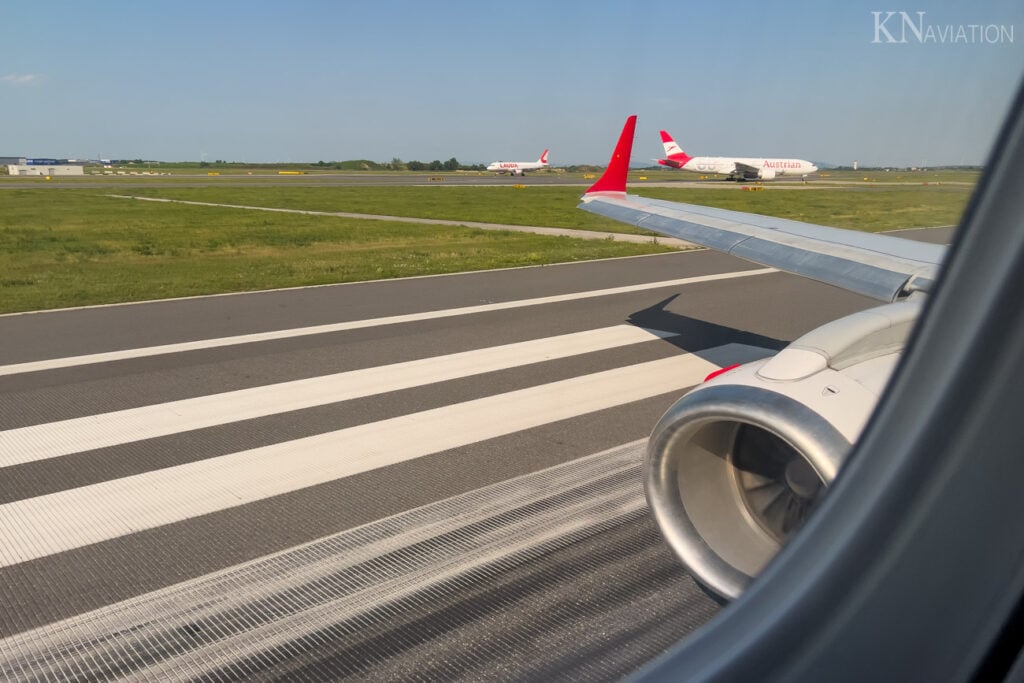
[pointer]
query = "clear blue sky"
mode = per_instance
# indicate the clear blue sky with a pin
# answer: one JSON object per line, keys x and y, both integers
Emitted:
{"x": 304, "y": 80}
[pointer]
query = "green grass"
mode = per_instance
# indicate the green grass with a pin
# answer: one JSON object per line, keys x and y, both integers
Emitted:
{"x": 61, "y": 246}
{"x": 960, "y": 176}
{"x": 74, "y": 247}
{"x": 870, "y": 209}
{"x": 532, "y": 205}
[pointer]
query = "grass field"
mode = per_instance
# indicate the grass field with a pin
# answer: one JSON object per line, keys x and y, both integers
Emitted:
{"x": 533, "y": 205}
{"x": 76, "y": 247}
{"x": 64, "y": 247}
{"x": 870, "y": 209}
{"x": 953, "y": 175}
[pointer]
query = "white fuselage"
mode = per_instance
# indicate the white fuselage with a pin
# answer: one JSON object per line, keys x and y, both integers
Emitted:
{"x": 519, "y": 167}
{"x": 515, "y": 167}
{"x": 749, "y": 167}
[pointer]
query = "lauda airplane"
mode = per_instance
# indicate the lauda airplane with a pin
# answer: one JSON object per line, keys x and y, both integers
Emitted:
{"x": 736, "y": 168}
{"x": 519, "y": 167}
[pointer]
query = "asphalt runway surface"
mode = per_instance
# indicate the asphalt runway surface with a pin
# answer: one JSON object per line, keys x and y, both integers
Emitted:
{"x": 424, "y": 478}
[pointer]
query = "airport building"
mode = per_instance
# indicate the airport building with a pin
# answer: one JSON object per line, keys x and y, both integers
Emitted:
{"x": 43, "y": 167}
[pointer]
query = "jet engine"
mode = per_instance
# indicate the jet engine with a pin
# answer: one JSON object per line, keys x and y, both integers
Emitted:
{"x": 737, "y": 465}
{"x": 766, "y": 173}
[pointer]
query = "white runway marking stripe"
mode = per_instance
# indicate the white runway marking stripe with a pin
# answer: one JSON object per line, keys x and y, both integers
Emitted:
{"x": 49, "y": 364}
{"x": 41, "y": 526}
{"x": 51, "y": 440}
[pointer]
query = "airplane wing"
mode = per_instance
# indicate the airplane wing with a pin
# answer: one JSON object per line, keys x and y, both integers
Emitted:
{"x": 746, "y": 169}
{"x": 882, "y": 267}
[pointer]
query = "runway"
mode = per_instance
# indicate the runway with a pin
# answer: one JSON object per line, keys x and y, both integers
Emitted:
{"x": 424, "y": 477}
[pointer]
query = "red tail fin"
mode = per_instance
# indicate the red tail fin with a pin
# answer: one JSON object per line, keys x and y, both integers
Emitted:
{"x": 543, "y": 157}
{"x": 673, "y": 151}
{"x": 614, "y": 178}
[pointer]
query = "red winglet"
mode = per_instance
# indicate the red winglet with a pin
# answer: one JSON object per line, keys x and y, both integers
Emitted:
{"x": 614, "y": 178}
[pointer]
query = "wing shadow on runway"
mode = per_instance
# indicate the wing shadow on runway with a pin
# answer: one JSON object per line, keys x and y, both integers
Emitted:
{"x": 695, "y": 336}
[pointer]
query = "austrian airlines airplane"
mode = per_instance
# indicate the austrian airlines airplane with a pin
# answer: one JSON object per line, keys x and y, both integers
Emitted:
{"x": 736, "y": 168}
{"x": 519, "y": 167}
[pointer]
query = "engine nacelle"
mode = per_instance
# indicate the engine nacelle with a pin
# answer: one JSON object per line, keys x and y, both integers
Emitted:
{"x": 736, "y": 466}
{"x": 766, "y": 173}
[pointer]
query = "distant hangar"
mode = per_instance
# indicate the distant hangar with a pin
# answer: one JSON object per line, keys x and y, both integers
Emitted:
{"x": 42, "y": 167}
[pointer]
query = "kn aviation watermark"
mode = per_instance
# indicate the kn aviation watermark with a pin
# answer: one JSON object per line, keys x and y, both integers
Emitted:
{"x": 914, "y": 28}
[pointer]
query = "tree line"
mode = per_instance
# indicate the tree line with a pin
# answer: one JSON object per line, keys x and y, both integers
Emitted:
{"x": 435, "y": 165}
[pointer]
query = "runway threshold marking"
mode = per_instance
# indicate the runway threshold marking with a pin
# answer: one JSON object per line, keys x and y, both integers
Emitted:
{"x": 125, "y": 354}
{"x": 61, "y": 521}
{"x": 215, "y": 624}
{"x": 77, "y": 435}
